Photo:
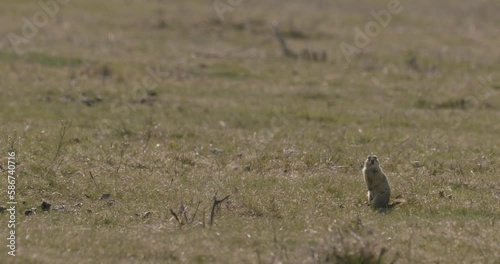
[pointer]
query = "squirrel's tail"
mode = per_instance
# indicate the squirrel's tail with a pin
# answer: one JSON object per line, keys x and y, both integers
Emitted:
{"x": 397, "y": 201}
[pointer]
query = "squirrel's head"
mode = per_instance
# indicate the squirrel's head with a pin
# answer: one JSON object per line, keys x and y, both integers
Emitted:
{"x": 371, "y": 161}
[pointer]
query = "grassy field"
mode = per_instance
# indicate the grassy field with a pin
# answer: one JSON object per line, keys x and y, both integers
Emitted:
{"x": 121, "y": 112}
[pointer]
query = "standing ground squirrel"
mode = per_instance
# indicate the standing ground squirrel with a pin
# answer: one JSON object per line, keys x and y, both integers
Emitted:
{"x": 379, "y": 191}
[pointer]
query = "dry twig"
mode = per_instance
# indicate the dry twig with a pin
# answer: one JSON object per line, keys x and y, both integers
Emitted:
{"x": 196, "y": 211}
{"x": 216, "y": 202}
{"x": 286, "y": 51}
{"x": 175, "y": 216}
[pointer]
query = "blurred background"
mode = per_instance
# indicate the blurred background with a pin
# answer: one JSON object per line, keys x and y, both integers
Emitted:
{"x": 156, "y": 104}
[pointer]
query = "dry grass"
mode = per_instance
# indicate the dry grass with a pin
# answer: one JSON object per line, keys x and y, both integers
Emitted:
{"x": 229, "y": 115}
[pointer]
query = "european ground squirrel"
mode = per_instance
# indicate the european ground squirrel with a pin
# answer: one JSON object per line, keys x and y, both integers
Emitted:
{"x": 379, "y": 191}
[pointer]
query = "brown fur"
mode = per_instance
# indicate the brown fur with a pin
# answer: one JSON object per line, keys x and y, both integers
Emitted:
{"x": 379, "y": 190}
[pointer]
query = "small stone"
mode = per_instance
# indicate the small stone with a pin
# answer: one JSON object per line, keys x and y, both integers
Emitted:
{"x": 60, "y": 208}
{"x": 146, "y": 215}
{"x": 45, "y": 206}
{"x": 217, "y": 151}
{"x": 31, "y": 211}
{"x": 105, "y": 196}
{"x": 416, "y": 164}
